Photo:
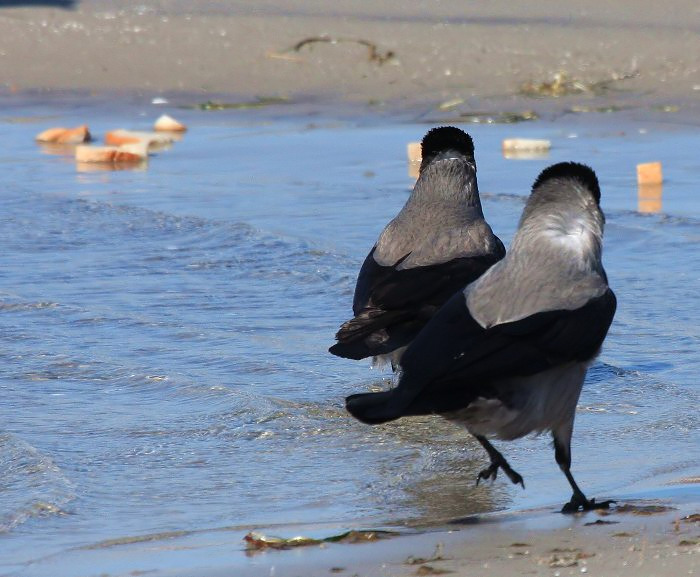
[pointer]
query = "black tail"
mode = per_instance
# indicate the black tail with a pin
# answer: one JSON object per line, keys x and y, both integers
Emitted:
{"x": 355, "y": 350}
{"x": 374, "y": 332}
{"x": 369, "y": 320}
{"x": 371, "y": 408}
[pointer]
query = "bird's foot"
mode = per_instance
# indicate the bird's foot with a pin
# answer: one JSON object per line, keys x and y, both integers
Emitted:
{"x": 580, "y": 503}
{"x": 514, "y": 477}
{"x": 491, "y": 472}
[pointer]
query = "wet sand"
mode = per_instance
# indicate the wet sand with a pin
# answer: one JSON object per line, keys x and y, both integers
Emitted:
{"x": 643, "y": 537}
{"x": 461, "y": 56}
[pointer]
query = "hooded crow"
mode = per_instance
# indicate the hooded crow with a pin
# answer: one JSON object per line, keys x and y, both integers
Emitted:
{"x": 507, "y": 355}
{"x": 436, "y": 245}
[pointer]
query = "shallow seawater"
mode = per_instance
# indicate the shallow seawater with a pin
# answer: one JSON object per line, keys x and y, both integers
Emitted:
{"x": 164, "y": 335}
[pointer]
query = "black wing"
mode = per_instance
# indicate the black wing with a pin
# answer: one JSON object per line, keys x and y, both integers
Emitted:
{"x": 392, "y": 305}
{"x": 453, "y": 358}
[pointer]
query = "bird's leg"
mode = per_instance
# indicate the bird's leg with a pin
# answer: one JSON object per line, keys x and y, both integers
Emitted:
{"x": 498, "y": 461}
{"x": 578, "y": 502}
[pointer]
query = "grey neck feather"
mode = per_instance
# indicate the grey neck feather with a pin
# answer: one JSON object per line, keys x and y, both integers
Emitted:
{"x": 565, "y": 214}
{"x": 553, "y": 263}
{"x": 450, "y": 182}
{"x": 445, "y": 197}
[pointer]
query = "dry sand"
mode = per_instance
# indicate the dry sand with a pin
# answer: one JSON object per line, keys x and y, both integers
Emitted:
{"x": 378, "y": 51}
{"x": 473, "y": 54}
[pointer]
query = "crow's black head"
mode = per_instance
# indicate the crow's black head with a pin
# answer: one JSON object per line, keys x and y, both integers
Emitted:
{"x": 444, "y": 141}
{"x": 571, "y": 171}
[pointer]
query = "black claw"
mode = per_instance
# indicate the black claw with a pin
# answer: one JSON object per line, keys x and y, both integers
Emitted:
{"x": 488, "y": 473}
{"x": 491, "y": 472}
{"x": 497, "y": 461}
{"x": 514, "y": 477}
{"x": 578, "y": 504}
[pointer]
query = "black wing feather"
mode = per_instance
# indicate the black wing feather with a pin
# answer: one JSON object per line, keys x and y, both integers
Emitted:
{"x": 400, "y": 302}
{"x": 453, "y": 359}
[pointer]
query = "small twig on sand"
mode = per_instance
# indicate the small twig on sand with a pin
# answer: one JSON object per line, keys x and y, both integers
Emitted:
{"x": 375, "y": 55}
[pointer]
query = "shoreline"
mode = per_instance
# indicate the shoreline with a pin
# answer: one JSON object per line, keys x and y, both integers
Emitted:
{"x": 520, "y": 111}
{"x": 651, "y": 535}
{"x": 654, "y": 537}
